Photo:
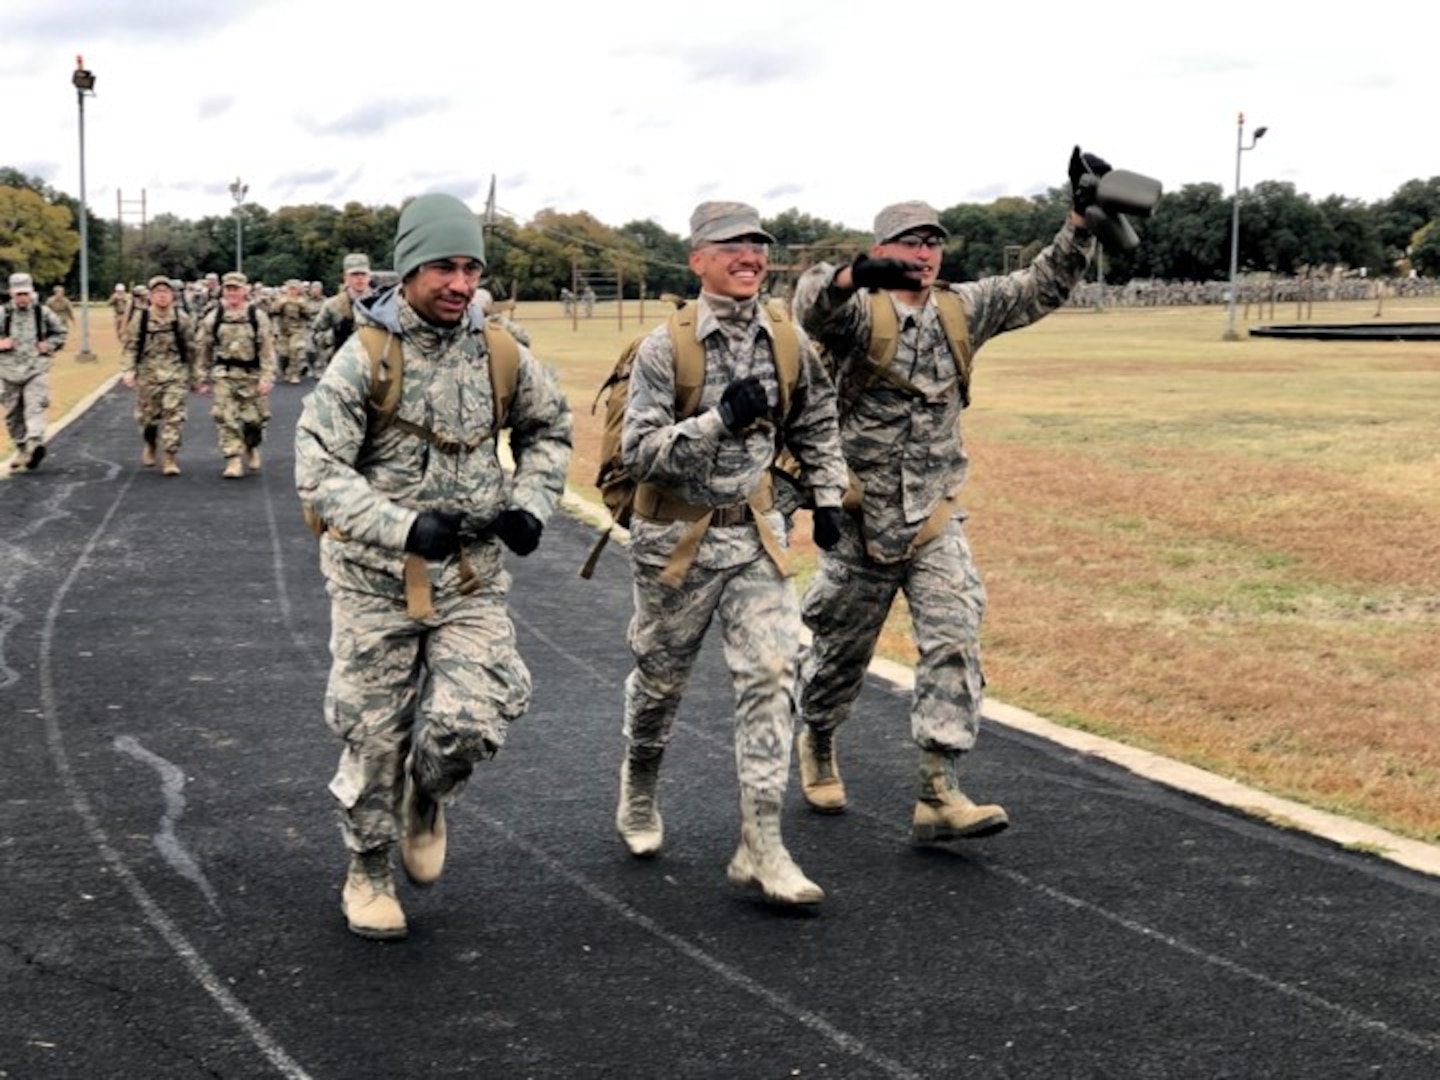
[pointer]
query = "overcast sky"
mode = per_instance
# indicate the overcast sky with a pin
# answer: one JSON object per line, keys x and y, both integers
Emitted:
{"x": 640, "y": 109}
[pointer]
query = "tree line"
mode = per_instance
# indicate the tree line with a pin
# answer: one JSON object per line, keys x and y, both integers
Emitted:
{"x": 1187, "y": 238}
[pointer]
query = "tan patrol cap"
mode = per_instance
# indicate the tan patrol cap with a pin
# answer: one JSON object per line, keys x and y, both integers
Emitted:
{"x": 235, "y": 277}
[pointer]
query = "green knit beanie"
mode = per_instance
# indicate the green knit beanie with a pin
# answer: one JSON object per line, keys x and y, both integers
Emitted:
{"x": 436, "y": 227}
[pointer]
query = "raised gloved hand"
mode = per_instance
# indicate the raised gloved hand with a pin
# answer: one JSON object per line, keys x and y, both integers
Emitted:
{"x": 825, "y": 527}
{"x": 435, "y": 534}
{"x": 519, "y": 530}
{"x": 872, "y": 273}
{"x": 1085, "y": 173}
{"x": 743, "y": 402}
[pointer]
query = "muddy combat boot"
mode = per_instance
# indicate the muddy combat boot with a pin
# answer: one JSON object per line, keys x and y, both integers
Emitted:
{"x": 637, "y": 818}
{"x": 944, "y": 812}
{"x": 368, "y": 899}
{"x": 820, "y": 781}
{"x": 147, "y": 451}
{"x": 761, "y": 860}
{"x": 422, "y": 838}
{"x": 234, "y": 470}
{"x": 169, "y": 466}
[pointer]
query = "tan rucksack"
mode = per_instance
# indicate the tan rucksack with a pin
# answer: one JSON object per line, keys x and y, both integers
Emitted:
{"x": 619, "y": 491}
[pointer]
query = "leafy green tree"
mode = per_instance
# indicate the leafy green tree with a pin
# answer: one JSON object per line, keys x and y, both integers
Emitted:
{"x": 667, "y": 258}
{"x": 36, "y": 236}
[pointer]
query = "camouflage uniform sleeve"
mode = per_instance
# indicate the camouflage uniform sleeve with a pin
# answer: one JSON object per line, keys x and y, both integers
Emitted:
{"x": 189, "y": 327}
{"x": 204, "y": 347}
{"x": 1010, "y": 301}
{"x": 837, "y": 319}
{"x": 541, "y": 438}
{"x": 267, "y": 347}
{"x": 328, "y": 440}
{"x": 812, "y": 432}
{"x": 129, "y": 360}
{"x": 55, "y": 329}
{"x": 653, "y": 445}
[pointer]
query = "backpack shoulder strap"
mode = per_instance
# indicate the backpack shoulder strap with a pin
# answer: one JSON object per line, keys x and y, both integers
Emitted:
{"x": 787, "y": 351}
{"x": 957, "y": 332}
{"x": 504, "y": 369}
{"x": 387, "y": 368}
{"x": 140, "y": 334}
{"x": 689, "y": 360}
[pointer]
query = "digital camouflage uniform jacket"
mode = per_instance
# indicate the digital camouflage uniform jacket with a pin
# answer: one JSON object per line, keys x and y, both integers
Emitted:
{"x": 162, "y": 361}
{"x": 369, "y": 490}
{"x": 703, "y": 462}
{"x": 910, "y": 454}
{"x": 24, "y": 361}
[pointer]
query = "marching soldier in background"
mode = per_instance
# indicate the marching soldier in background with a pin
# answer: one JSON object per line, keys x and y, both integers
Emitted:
{"x": 59, "y": 303}
{"x": 292, "y": 330}
{"x": 30, "y": 335}
{"x": 237, "y": 360}
{"x": 336, "y": 320}
{"x": 120, "y": 305}
{"x": 157, "y": 364}
{"x": 900, "y": 344}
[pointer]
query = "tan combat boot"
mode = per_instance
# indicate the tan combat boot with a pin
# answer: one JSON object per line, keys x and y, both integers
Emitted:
{"x": 944, "y": 812}
{"x": 761, "y": 860}
{"x": 820, "y": 781}
{"x": 234, "y": 470}
{"x": 368, "y": 899}
{"x": 253, "y": 459}
{"x": 637, "y": 817}
{"x": 422, "y": 838}
{"x": 169, "y": 466}
{"x": 147, "y": 454}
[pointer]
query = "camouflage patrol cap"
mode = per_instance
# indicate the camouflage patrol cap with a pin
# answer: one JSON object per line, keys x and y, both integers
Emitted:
{"x": 901, "y": 218}
{"x": 158, "y": 280}
{"x": 235, "y": 277}
{"x": 357, "y": 261}
{"x": 713, "y": 222}
{"x": 21, "y": 283}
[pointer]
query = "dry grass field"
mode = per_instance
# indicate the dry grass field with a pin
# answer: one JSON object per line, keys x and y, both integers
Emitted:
{"x": 1225, "y": 552}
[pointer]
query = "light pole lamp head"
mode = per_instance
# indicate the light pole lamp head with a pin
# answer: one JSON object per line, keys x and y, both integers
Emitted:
{"x": 1259, "y": 133}
{"x": 82, "y": 77}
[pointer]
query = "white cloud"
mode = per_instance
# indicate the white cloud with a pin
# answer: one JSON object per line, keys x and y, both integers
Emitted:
{"x": 641, "y": 109}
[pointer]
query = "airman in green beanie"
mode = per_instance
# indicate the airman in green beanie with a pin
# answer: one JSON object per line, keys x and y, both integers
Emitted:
{"x": 422, "y": 691}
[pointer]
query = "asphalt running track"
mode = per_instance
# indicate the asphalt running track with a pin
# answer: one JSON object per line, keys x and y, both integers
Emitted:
{"x": 170, "y": 867}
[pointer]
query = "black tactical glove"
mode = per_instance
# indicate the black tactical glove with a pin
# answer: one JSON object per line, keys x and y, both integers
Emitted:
{"x": 1085, "y": 173}
{"x": 519, "y": 530}
{"x": 870, "y": 273}
{"x": 825, "y": 526}
{"x": 435, "y": 534}
{"x": 743, "y": 402}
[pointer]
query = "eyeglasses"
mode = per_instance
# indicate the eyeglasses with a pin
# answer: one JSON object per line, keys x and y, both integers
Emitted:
{"x": 741, "y": 247}
{"x": 915, "y": 243}
{"x": 446, "y": 267}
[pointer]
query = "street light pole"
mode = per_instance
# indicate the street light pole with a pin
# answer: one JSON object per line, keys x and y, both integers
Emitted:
{"x": 84, "y": 82}
{"x": 1240, "y": 148}
{"x": 238, "y": 192}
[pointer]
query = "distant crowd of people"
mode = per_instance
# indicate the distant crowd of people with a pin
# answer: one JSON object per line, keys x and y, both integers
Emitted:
{"x": 1149, "y": 292}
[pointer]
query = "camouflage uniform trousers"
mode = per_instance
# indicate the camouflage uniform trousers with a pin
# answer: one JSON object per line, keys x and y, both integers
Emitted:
{"x": 25, "y": 403}
{"x": 160, "y": 405}
{"x": 760, "y": 620}
{"x": 240, "y": 411}
{"x": 437, "y": 694}
{"x": 845, "y": 607}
